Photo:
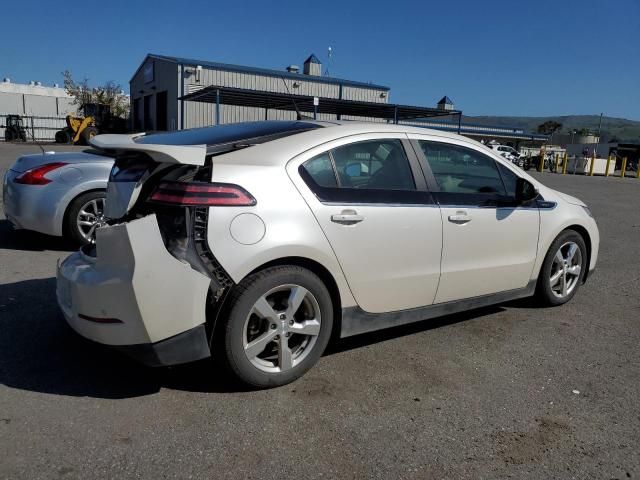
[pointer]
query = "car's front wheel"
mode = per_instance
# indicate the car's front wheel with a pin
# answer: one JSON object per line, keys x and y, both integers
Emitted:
{"x": 563, "y": 269}
{"x": 277, "y": 325}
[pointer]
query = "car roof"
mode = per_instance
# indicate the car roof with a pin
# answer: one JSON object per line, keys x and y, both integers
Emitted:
{"x": 280, "y": 151}
{"x": 191, "y": 147}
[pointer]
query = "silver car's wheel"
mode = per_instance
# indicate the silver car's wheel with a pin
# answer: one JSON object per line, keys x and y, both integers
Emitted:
{"x": 90, "y": 216}
{"x": 566, "y": 270}
{"x": 282, "y": 328}
{"x": 83, "y": 216}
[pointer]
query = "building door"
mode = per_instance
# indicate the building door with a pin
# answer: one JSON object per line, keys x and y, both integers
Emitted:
{"x": 161, "y": 111}
{"x": 137, "y": 116}
{"x": 147, "y": 123}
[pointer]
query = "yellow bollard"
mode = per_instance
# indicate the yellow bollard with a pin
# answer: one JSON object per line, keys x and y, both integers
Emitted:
{"x": 565, "y": 160}
{"x": 638, "y": 169}
{"x": 593, "y": 162}
{"x": 606, "y": 172}
{"x": 556, "y": 159}
{"x": 541, "y": 165}
{"x": 624, "y": 167}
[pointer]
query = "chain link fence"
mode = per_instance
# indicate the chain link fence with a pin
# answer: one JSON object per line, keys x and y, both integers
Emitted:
{"x": 42, "y": 129}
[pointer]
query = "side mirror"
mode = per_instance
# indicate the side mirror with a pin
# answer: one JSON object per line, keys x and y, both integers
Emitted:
{"x": 525, "y": 191}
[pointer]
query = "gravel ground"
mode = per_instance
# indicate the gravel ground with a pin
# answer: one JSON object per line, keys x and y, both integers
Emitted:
{"x": 504, "y": 392}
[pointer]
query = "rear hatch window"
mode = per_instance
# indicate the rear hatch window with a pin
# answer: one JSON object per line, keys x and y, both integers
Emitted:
{"x": 222, "y": 138}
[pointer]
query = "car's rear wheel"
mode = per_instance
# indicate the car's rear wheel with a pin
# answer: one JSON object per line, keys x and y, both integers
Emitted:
{"x": 84, "y": 214}
{"x": 563, "y": 269}
{"x": 277, "y": 326}
{"x": 63, "y": 136}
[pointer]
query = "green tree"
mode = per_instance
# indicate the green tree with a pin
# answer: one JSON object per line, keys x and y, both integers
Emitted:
{"x": 549, "y": 127}
{"x": 110, "y": 94}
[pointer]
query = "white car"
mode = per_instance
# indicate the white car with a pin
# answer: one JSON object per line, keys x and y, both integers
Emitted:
{"x": 256, "y": 242}
{"x": 507, "y": 152}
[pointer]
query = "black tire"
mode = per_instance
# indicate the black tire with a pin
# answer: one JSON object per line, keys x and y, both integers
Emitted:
{"x": 63, "y": 136}
{"x": 229, "y": 337}
{"x": 87, "y": 134}
{"x": 544, "y": 292}
{"x": 70, "y": 229}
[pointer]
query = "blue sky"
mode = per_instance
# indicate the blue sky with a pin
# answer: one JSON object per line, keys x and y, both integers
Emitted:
{"x": 545, "y": 57}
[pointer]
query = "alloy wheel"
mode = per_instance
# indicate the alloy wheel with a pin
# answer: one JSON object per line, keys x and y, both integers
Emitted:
{"x": 90, "y": 217}
{"x": 566, "y": 270}
{"x": 281, "y": 328}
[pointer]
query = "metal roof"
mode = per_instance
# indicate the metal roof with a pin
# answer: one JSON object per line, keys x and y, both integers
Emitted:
{"x": 475, "y": 130}
{"x": 260, "y": 71}
{"x": 446, "y": 100}
{"x": 313, "y": 59}
{"x": 334, "y": 106}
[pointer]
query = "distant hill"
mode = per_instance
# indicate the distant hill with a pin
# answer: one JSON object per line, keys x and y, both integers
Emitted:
{"x": 612, "y": 128}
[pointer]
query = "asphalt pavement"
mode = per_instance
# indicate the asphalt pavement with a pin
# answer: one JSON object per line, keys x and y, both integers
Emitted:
{"x": 511, "y": 391}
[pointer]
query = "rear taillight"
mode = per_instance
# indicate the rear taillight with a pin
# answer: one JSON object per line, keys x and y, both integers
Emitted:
{"x": 202, "y": 194}
{"x": 36, "y": 176}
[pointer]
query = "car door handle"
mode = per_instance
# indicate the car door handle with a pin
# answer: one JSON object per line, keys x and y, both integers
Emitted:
{"x": 460, "y": 218}
{"x": 347, "y": 217}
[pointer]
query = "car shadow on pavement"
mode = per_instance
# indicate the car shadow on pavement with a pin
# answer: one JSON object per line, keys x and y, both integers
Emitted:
{"x": 39, "y": 352}
{"x": 358, "y": 341}
{"x": 12, "y": 239}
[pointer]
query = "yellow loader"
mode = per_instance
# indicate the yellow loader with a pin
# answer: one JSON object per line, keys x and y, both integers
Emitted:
{"x": 80, "y": 130}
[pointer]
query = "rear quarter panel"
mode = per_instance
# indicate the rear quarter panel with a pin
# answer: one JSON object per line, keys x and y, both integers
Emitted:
{"x": 290, "y": 227}
{"x": 75, "y": 180}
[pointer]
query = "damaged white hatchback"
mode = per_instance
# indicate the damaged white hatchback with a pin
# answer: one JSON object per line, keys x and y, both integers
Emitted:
{"x": 257, "y": 242}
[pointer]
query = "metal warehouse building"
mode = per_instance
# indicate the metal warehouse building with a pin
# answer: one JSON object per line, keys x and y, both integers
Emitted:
{"x": 160, "y": 82}
{"x": 34, "y": 99}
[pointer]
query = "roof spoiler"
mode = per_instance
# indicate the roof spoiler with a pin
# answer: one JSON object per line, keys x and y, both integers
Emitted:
{"x": 182, "y": 154}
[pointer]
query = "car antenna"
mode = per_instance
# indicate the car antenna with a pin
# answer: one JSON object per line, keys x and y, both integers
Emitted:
{"x": 300, "y": 116}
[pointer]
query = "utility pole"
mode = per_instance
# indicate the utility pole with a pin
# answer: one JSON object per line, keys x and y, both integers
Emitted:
{"x": 595, "y": 147}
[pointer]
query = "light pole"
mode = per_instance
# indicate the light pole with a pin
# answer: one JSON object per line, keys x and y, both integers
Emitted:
{"x": 595, "y": 145}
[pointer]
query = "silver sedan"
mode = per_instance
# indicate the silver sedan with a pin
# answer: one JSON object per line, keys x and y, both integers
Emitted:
{"x": 60, "y": 194}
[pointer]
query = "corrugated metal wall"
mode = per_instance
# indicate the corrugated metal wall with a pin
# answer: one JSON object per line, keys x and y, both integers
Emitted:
{"x": 198, "y": 114}
{"x": 38, "y": 105}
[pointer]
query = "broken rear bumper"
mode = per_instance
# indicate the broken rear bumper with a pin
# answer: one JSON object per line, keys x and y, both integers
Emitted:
{"x": 185, "y": 347}
{"x": 136, "y": 296}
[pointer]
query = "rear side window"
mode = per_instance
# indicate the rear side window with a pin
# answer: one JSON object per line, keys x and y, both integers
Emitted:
{"x": 373, "y": 164}
{"x": 372, "y": 171}
{"x": 320, "y": 169}
{"x": 460, "y": 170}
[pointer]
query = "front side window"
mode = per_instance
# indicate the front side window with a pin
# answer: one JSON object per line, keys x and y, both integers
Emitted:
{"x": 460, "y": 170}
{"x": 372, "y": 171}
{"x": 509, "y": 179}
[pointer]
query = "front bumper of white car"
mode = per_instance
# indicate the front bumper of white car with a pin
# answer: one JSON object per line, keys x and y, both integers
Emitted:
{"x": 136, "y": 296}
